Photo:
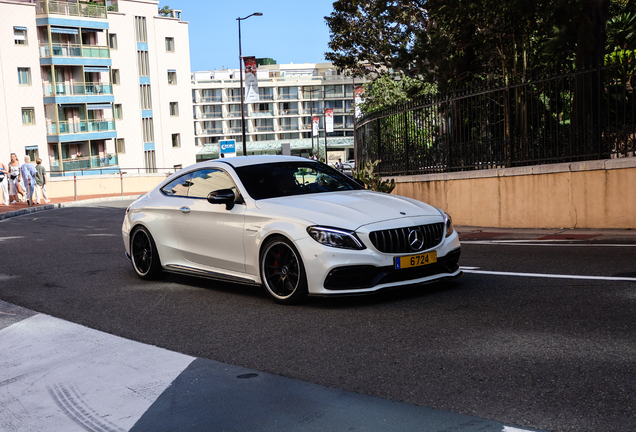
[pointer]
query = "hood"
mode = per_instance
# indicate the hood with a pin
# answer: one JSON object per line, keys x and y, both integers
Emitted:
{"x": 347, "y": 209}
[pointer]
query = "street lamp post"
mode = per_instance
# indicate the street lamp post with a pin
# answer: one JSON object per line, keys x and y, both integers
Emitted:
{"x": 241, "y": 80}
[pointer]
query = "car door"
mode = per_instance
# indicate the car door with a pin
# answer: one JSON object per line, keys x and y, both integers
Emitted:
{"x": 210, "y": 234}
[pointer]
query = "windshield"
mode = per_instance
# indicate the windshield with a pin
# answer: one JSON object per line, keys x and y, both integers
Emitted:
{"x": 275, "y": 180}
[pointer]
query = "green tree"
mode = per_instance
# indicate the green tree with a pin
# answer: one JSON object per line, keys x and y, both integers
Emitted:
{"x": 165, "y": 11}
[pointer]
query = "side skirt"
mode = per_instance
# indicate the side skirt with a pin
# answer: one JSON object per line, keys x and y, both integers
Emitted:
{"x": 191, "y": 271}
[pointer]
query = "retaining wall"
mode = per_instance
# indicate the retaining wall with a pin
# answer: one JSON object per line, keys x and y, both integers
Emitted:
{"x": 593, "y": 194}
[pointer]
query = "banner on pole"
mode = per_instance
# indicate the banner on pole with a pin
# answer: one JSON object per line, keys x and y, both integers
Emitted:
{"x": 315, "y": 122}
{"x": 251, "y": 80}
{"x": 359, "y": 91}
{"x": 329, "y": 120}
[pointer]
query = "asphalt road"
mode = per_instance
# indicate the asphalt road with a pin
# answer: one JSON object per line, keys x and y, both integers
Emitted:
{"x": 548, "y": 353}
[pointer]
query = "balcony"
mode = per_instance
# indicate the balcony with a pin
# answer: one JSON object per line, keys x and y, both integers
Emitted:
{"x": 85, "y": 126}
{"x": 89, "y": 88}
{"x": 288, "y": 96}
{"x": 73, "y": 9}
{"x": 264, "y": 97}
{"x": 81, "y": 163}
{"x": 73, "y": 50}
{"x": 288, "y": 127}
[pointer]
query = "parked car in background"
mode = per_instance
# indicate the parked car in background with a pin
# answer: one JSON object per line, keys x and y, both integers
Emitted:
{"x": 295, "y": 226}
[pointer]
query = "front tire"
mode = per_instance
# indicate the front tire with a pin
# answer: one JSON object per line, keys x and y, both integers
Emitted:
{"x": 144, "y": 255}
{"x": 282, "y": 272}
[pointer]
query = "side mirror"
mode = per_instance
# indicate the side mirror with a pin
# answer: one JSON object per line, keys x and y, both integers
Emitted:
{"x": 222, "y": 196}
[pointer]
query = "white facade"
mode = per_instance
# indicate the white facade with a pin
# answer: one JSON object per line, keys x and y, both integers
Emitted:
{"x": 289, "y": 95}
{"x": 95, "y": 106}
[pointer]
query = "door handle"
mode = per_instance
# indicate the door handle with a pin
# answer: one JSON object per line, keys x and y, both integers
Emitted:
{"x": 184, "y": 209}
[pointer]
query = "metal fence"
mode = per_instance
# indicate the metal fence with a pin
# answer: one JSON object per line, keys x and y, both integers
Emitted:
{"x": 564, "y": 117}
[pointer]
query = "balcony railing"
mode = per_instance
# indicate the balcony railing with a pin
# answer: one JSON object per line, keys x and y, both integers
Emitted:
{"x": 264, "y": 97}
{"x": 266, "y": 128}
{"x": 85, "y": 126}
{"x": 73, "y": 50}
{"x": 206, "y": 115}
{"x": 209, "y": 99}
{"x": 89, "y": 88}
{"x": 288, "y": 96}
{"x": 234, "y": 130}
{"x": 263, "y": 113}
{"x": 72, "y": 9}
{"x": 288, "y": 127}
{"x": 85, "y": 163}
{"x": 210, "y": 131}
{"x": 288, "y": 112}
{"x": 234, "y": 114}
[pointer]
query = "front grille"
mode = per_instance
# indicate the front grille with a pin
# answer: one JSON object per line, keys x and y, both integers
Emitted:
{"x": 397, "y": 240}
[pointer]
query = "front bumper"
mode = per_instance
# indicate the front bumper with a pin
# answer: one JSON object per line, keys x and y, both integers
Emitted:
{"x": 358, "y": 277}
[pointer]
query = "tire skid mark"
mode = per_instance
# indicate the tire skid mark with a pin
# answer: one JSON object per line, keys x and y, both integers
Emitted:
{"x": 75, "y": 407}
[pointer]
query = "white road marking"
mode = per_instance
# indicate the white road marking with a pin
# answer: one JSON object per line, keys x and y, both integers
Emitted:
{"x": 542, "y": 243}
{"x": 56, "y": 375}
{"x": 10, "y": 238}
{"x": 513, "y": 429}
{"x": 542, "y": 275}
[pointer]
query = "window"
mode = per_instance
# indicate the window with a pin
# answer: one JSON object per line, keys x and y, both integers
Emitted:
{"x": 174, "y": 109}
{"x": 205, "y": 181}
{"x": 140, "y": 29}
{"x": 20, "y": 35}
{"x": 118, "y": 113}
{"x": 151, "y": 164}
{"x": 176, "y": 140}
{"x": 148, "y": 131}
{"x": 169, "y": 44}
{"x": 172, "y": 77}
{"x": 28, "y": 116}
{"x": 146, "y": 98}
{"x": 121, "y": 145}
{"x": 24, "y": 76}
{"x": 178, "y": 186}
{"x": 143, "y": 65}
{"x": 112, "y": 41}
{"x": 115, "y": 73}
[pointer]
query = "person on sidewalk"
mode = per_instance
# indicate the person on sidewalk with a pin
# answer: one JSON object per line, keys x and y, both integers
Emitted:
{"x": 14, "y": 178}
{"x": 28, "y": 172}
{"x": 40, "y": 183}
{"x": 4, "y": 183}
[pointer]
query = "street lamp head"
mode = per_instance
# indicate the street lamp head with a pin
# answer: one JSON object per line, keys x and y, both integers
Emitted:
{"x": 254, "y": 14}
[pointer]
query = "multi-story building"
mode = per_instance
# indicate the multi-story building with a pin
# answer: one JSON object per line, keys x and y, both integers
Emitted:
{"x": 289, "y": 96}
{"x": 95, "y": 86}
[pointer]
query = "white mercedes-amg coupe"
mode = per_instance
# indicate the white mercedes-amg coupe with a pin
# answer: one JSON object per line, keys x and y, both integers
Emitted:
{"x": 293, "y": 225}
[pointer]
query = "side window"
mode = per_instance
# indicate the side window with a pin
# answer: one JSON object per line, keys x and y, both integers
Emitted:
{"x": 179, "y": 186}
{"x": 208, "y": 180}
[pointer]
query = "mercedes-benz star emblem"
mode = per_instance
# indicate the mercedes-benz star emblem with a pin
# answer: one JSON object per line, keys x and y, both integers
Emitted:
{"x": 416, "y": 239}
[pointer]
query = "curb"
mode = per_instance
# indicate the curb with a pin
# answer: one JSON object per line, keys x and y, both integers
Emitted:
{"x": 28, "y": 210}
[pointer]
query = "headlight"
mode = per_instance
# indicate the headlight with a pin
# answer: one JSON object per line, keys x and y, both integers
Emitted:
{"x": 335, "y": 237}
{"x": 448, "y": 221}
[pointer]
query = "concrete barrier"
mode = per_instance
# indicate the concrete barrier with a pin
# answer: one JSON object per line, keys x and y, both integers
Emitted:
{"x": 591, "y": 194}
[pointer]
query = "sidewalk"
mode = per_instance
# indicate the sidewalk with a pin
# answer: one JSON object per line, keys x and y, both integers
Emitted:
{"x": 578, "y": 235}
{"x": 22, "y": 208}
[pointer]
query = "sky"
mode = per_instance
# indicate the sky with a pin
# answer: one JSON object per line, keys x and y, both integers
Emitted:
{"x": 290, "y": 31}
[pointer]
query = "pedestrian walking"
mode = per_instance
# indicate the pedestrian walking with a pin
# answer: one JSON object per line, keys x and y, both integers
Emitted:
{"x": 4, "y": 183}
{"x": 14, "y": 178}
{"x": 40, "y": 183}
{"x": 28, "y": 172}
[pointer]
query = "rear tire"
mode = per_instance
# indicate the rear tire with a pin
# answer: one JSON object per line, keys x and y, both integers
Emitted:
{"x": 282, "y": 272}
{"x": 144, "y": 255}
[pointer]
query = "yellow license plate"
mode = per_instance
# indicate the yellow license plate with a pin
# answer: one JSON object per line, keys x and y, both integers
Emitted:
{"x": 415, "y": 260}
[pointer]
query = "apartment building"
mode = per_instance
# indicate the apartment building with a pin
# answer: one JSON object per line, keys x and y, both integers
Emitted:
{"x": 90, "y": 86}
{"x": 289, "y": 96}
